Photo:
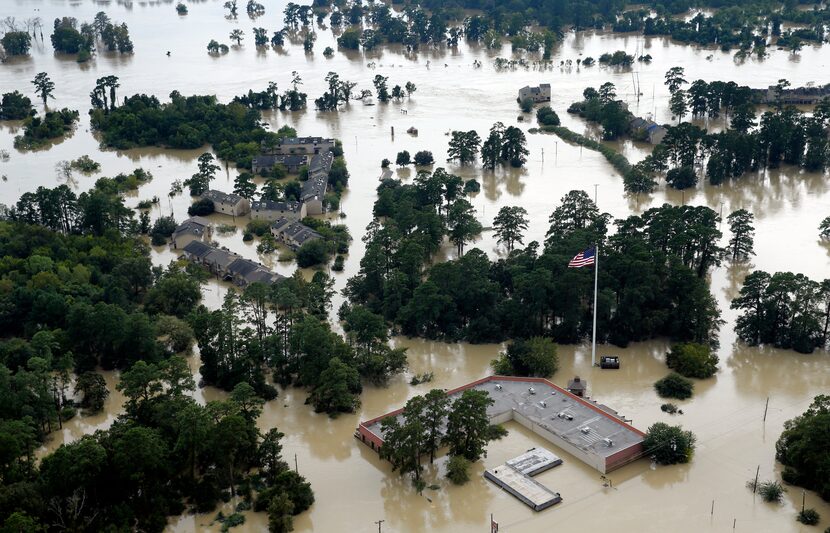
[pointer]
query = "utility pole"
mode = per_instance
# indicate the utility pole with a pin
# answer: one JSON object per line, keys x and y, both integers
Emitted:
{"x": 296, "y": 468}
{"x": 755, "y": 485}
{"x": 765, "y": 409}
{"x": 379, "y": 522}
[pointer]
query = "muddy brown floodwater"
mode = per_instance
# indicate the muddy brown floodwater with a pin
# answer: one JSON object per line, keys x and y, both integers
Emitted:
{"x": 353, "y": 488}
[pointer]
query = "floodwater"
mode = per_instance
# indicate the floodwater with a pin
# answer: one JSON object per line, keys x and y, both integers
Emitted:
{"x": 353, "y": 488}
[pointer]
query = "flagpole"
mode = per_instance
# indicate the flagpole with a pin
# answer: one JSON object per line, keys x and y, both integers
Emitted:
{"x": 594, "y": 333}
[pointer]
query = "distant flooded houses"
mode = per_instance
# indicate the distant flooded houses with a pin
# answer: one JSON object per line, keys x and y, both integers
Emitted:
{"x": 646, "y": 130}
{"x": 809, "y": 95}
{"x": 538, "y": 94}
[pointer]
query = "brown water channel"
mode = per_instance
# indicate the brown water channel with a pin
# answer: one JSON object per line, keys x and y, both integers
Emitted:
{"x": 353, "y": 487}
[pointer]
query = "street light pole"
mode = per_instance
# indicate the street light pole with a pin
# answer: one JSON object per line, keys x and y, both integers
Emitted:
{"x": 379, "y": 522}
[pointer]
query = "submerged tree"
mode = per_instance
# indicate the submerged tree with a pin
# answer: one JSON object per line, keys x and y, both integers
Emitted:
{"x": 741, "y": 243}
{"x": 44, "y": 86}
{"x": 509, "y": 224}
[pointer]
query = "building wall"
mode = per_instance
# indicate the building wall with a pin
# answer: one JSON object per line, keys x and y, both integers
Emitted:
{"x": 313, "y": 207}
{"x": 184, "y": 239}
{"x": 272, "y": 214}
{"x": 623, "y": 457}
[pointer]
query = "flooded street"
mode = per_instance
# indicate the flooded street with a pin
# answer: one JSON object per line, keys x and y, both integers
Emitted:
{"x": 352, "y": 486}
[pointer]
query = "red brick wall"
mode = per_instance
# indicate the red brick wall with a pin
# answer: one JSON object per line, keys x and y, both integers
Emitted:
{"x": 623, "y": 457}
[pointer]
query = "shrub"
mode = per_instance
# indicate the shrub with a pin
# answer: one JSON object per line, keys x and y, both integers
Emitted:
{"x": 85, "y": 164}
{"x": 15, "y": 106}
{"x": 809, "y": 517}
{"x": 201, "y": 207}
{"x": 674, "y": 386}
{"x": 770, "y": 491}
{"x": 692, "y": 360}
{"x": 258, "y": 227}
{"x": 526, "y": 104}
{"x": 458, "y": 469}
{"x": 338, "y": 264}
{"x": 669, "y": 445}
{"x": 181, "y": 9}
{"x": 385, "y": 163}
{"x": 424, "y": 158}
{"x": 547, "y": 116}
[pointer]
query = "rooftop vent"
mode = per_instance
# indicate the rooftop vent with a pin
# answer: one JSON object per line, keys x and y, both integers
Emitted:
{"x": 531, "y": 390}
{"x": 608, "y": 442}
{"x": 498, "y": 387}
{"x": 585, "y": 430}
{"x": 544, "y": 403}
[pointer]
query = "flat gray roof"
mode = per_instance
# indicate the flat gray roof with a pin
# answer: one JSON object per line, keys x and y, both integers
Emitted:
{"x": 580, "y": 422}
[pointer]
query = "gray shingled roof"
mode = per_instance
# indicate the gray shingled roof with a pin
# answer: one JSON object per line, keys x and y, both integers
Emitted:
{"x": 198, "y": 249}
{"x": 222, "y": 197}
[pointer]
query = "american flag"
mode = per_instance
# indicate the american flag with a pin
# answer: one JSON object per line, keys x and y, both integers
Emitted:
{"x": 583, "y": 258}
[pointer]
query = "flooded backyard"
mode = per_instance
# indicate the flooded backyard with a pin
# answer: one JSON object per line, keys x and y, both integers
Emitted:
{"x": 352, "y": 486}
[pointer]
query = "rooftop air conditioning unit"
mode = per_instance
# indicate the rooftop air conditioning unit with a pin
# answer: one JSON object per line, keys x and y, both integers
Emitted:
{"x": 498, "y": 387}
{"x": 608, "y": 442}
{"x": 544, "y": 403}
{"x": 585, "y": 430}
{"x": 531, "y": 390}
{"x": 569, "y": 417}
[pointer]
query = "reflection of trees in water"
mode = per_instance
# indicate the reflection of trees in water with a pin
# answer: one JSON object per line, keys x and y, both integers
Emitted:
{"x": 507, "y": 178}
{"x": 665, "y": 476}
{"x": 766, "y": 371}
{"x": 735, "y": 274}
{"x": 766, "y": 193}
{"x": 437, "y": 510}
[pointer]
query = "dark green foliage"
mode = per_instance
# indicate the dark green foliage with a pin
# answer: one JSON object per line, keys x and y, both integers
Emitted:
{"x": 655, "y": 268}
{"x": 692, "y": 360}
{"x": 337, "y": 390}
{"x": 162, "y": 230}
{"x": 94, "y": 390}
{"x": 86, "y": 165}
{"x": 201, "y": 207}
{"x": 674, "y": 386}
{"x": 403, "y": 158}
{"x": 311, "y": 253}
{"x": 742, "y": 242}
{"x": 186, "y": 122}
{"x": 809, "y": 517}
{"x": 681, "y": 178}
{"x": 39, "y": 131}
{"x": 423, "y": 158}
{"x": 547, "y": 116}
{"x": 458, "y": 469}
{"x": 533, "y": 357}
{"x": 16, "y": 43}
{"x": 785, "y": 310}
{"x": 68, "y": 40}
{"x": 15, "y": 106}
{"x": 468, "y": 425}
{"x": 669, "y": 445}
{"x": 509, "y": 224}
{"x": 801, "y": 448}
{"x": 464, "y": 146}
